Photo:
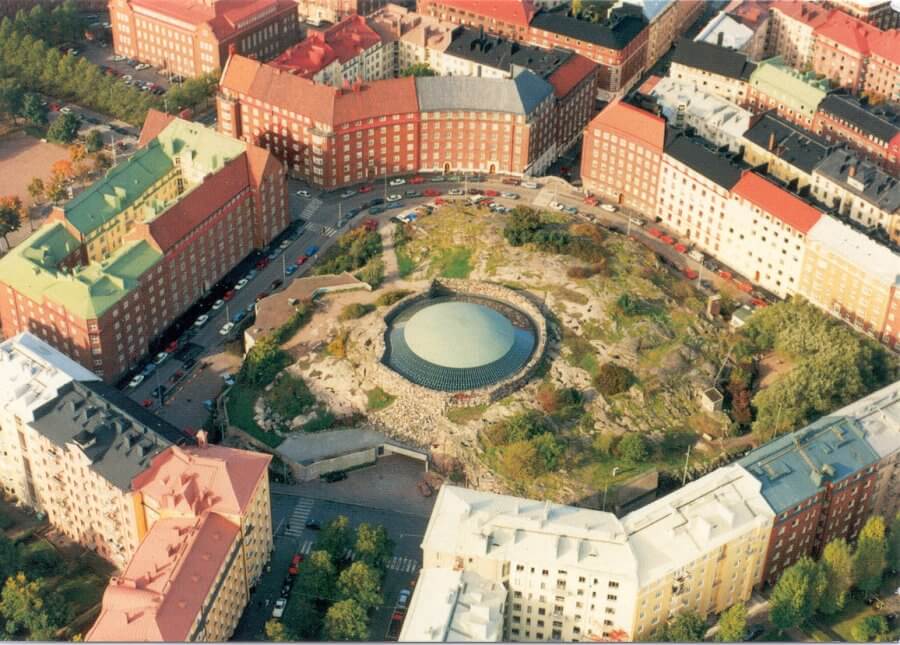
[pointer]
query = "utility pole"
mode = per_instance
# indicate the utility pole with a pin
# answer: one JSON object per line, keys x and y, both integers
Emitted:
{"x": 686, "y": 460}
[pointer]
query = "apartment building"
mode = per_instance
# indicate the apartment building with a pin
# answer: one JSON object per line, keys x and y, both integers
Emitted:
{"x": 819, "y": 481}
{"x": 878, "y": 415}
{"x": 794, "y": 95}
{"x": 334, "y": 137}
{"x": 717, "y": 120}
{"x": 858, "y": 189}
{"x": 71, "y": 445}
{"x": 507, "y": 18}
{"x": 841, "y": 49}
{"x": 618, "y": 44}
{"x": 667, "y": 21}
{"x": 317, "y": 12}
{"x": 340, "y": 54}
{"x": 413, "y": 37}
{"x": 743, "y": 28}
{"x": 852, "y": 277}
{"x": 206, "y": 527}
{"x": 880, "y": 13}
{"x": 792, "y": 28}
{"x": 874, "y": 132}
{"x": 621, "y": 155}
{"x": 194, "y": 38}
{"x": 717, "y": 70}
{"x": 116, "y": 265}
{"x": 789, "y": 152}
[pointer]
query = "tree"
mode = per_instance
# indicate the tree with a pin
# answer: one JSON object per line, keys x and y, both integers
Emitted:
{"x": 518, "y": 461}
{"x": 301, "y": 620}
{"x": 36, "y": 189}
{"x": 732, "y": 624}
{"x": 11, "y": 212}
{"x": 34, "y": 110}
{"x": 336, "y": 538}
{"x": 102, "y": 161}
{"x": 346, "y": 620}
{"x": 32, "y": 610}
{"x": 870, "y": 558}
{"x": 361, "y": 583}
{"x": 612, "y": 379}
{"x": 64, "y": 129}
{"x": 276, "y": 632}
{"x": 686, "y": 627}
{"x": 318, "y": 576}
{"x": 837, "y": 565}
{"x": 418, "y": 69}
{"x": 373, "y": 545}
{"x": 263, "y": 362}
{"x": 869, "y": 628}
{"x": 893, "y": 557}
{"x": 77, "y": 152}
{"x": 93, "y": 141}
{"x": 62, "y": 170}
{"x": 633, "y": 448}
{"x": 12, "y": 96}
{"x": 796, "y": 595}
{"x": 9, "y": 557}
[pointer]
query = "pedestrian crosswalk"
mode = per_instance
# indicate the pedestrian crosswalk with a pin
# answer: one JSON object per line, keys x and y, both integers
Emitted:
{"x": 297, "y": 523}
{"x": 396, "y": 563}
{"x": 311, "y": 207}
{"x": 329, "y": 231}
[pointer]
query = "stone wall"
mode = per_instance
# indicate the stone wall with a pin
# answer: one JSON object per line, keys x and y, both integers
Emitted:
{"x": 398, "y": 385}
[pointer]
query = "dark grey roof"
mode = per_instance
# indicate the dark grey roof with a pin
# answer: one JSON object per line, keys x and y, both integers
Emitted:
{"x": 616, "y": 32}
{"x": 499, "y": 53}
{"x": 880, "y": 122}
{"x": 694, "y": 153}
{"x": 795, "y": 145}
{"x": 117, "y": 435}
{"x": 519, "y": 95}
{"x": 713, "y": 59}
{"x": 869, "y": 181}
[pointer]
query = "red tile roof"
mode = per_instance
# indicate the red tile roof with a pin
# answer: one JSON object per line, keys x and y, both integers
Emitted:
{"x": 848, "y": 31}
{"x": 570, "y": 74}
{"x": 155, "y": 123}
{"x": 887, "y": 45}
{"x": 632, "y": 121}
{"x": 162, "y": 590}
{"x": 777, "y": 201}
{"x": 806, "y": 12}
{"x": 343, "y": 41}
{"x": 648, "y": 85}
{"x": 515, "y": 12}
{"x": 223, "y": 17}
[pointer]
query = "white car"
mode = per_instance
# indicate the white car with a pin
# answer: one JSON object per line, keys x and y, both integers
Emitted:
{"x": 226, "y": 328}
{"x": 161, "y": 358}
{"x": 529, "y": 184}
{"x": 304, "y": 193}
{"x": 284, "y": 245}
{"x": 66, "y": 110}
{"x": 142, "y": 66}
{"x": 347, "y": 194}
{"x": 137, "y": 380}
{"x": 455, "y": 192}
{"x": 202, "y": 320}
{"x": 280, "y": 604}
{"x": 403, "y": 598}
{"x": 394, "y": 197}
{"x": 243, "y": 282}
{"x": 609, "y": 208}
{"x": 556, "y": 206}
{"x": 397, "y": 181}
{"x": 218, "y": 304}
{"x": 510, "y": 195}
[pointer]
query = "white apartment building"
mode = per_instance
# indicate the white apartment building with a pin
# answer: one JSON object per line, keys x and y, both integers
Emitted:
{"x": 792, "y": 28}
{"x": 713, "y": 69}
{"x": 714, "y": 118}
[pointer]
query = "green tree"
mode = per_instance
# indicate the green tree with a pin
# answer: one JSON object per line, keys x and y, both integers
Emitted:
{"x": 418, "y": 69}
{"x": 64, "y": 129}
{"x": 518, "y": 461}
{"x": 336, "y": 538}
{"x": 549, "y": 449}
{"x": 576, "y": 8}
{"x": 612, "y": 379}
{"x": 10, "y": 562}
{"x": 36, "y": 189}
{"x": 870, "y": 558}
{"x": 31, "y": 610}
{"x": 346, "y": 620}
{"x": 318, "y": 576}
{"x": 893, "y": 556}
{"x": 795, "y": 597}
{"x": 34, "y": 110}
{"x": 93, "y": 141}
{"x": 732, "y": 624}
{"x": 373, "y": 546}
{"x": 301, "y": 619}
{"x": 686, "y": 627}
{"x": 11, "y": 212}
{"x": 263, "y": 362}
{"x": 837, "y": 565}
{"x": 12, "y": 96}
{"x": 633, "y": 448}
{"x": 361, "y": 583}
{"x": 869, "y": 628}
{"x": 276, "y": 632}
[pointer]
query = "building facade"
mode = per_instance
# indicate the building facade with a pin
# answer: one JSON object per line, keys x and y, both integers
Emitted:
{"x": 316, "y": 12}
{"x": 882, "y": 79}
{"x": 880, "y": 13}
{"x": 717, "y": 70}
{"x": 621, "y": 156}
{"x": 879, "y": 417}
{"x": 795, "y": 96}
{"x": 507, "y": 18}
{"x": 841, "y": 50}
{"x": 112, "y": 268}
{"x": 205, "y": 522}
{"x": 667, "y": 22}
{"x": 194, "y": 38}
{"x": 790, "y": 152}
{"x": 874, "y": 132}
{"x": 792, "y": 31}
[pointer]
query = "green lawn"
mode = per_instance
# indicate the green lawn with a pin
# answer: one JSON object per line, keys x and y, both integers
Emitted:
{"x": 405, "y": 263}
{"x": 463, "y": 415}
{"x": 378, "y": 399}
{"x": 241, "y": 399}
{"x": 454, "y": 262}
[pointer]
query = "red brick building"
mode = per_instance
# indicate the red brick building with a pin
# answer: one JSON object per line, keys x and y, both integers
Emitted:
{"x": 841, "y": 50}
{"x": 114, "y": 267}
{"x": 192, "y": 38}
{"x": 621, "y": 155}
{"x": 508, "y": 18}
{"x": 874, "y": 132}
{"x": 882, "y": 81}
{"x": 575, "y": 87}
{"x": 335, "y": 137}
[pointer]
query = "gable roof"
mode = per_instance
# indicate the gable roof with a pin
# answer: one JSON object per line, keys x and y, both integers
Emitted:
{"x": 515, "y": 12}
{"x": 155, "y": 123}
{"x": 224, "y": 18}
{"x": 570, "y": 74}
{"x": 713, "y": 59}
{"x": 519, "y": 95}
{"x": 792, "y": 144}
{"x": 848, "y": 31}
{"x": 692, "y": 152}
{"x": 633, "y": 121}
{"x": 617, "y": 32}
{"x": 879, "y": 122}
{"x": 777, "y": 201}
{"x": 799, "y": 91}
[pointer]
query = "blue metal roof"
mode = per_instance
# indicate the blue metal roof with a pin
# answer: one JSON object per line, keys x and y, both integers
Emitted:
{"x": 796, "y": 466}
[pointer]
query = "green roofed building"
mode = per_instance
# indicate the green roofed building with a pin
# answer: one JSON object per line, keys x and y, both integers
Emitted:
{"x": 795, "y": 95}
{"x": 116, "y": 265}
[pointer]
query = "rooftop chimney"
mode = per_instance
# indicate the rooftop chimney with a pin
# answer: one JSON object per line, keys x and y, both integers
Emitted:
{"x": 202, "y": 438}
{"x": 771, "y": 145}
{"x": 720, "y": 38}
{"x": 851, "y": 172}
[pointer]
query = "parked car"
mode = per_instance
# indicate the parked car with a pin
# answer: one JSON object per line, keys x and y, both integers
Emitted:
{"x": 294, "y": 569}
{"x": 159, "y": 392}
{"x": 304, "y": 193}
{"x": 530, "y": 184}
{"x": 394, "y": 197}
{"x": 418, "y": 179}
{"x": 403, "y": 598}
{"x": 411, "y": 193}
{"x": 366, "y": 189}
{"x": 228, "y": 295}
{"x": 284, "y": 244}
{"x": 397, "y": 181}
{"x": 375, "y": 210}
{"x": 509, "y": 195}
{"x": 431, "y": 192}
{"x": 609, "y": 208}
{"x": 149, "y": 368}
{"x": 218, "y": 304}
{"x": 456, "y": 192}
{"x": 290, "y": 269}
{"x": 226, "y": 328}
{"x": 137, "y": 380}
{"x": 488, "y": 192}
{"x": 239, "y": 316}
{"x": 509, "y": 181}
{"x": 336, "y": 476}
{"x": 228, "y": 378}
{"x": 243, "y": 282}
{"x": 280, "y": 604}
{"x": 312, "y": 250}
{"x": 160, "y": 358}
{"x": 301, "y": 260}
{"x": 347, "y": 194}
{"x": 201, "y": 320}
{"x": 312, "y": 525}
{"x": 277, "y": 282}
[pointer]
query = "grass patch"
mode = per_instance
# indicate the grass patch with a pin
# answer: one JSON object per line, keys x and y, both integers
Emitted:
{"x": 405, "y": 263}
{"x": 378, "y": 399}
{"x": 389, "y": 298}
{"x": 454, "y": 262}
{"x": 241, "y": 399}
{"x": 582, "y": 353}
{"x": 323, "y": 420}
{"x": 289, "y": 396}
{"x": 355, "y": 310}
{"x": 463, "y": 415}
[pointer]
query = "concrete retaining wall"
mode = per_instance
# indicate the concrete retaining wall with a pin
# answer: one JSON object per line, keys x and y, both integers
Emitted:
{"x": 307, "y": 472}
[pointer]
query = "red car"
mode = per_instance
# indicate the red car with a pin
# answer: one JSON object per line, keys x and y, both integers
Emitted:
{"x": 366, "y": 189}
{"x": 301, "y": 260}
{"x": 590, "y": 200}
{"x": 228, "y": 295}
{"x": 171, "y": 347}
{"x": 440, "y": 201}
{"x": 654, "y": 232}
{"x": 147, "y": 403}
{"x": 431, "y": 192}
{"x": 681, "y": 248}
{"x": 665, "y": 239}
{"x": 295, "y": 564}
{"x": 690, "y": 274}
{"x": 262, "y": 264}
{"x": 491, "y": 193}
{"x": 418, "y": 179}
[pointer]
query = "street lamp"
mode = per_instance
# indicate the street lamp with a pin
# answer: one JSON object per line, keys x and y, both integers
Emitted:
{"x": 606, "y": 487}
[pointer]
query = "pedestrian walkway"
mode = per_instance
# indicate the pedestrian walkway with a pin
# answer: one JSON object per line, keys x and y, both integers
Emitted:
{"x": 297, "y": 523}
{"x": 311, "y": 207}
{"x": 396, "y": 563}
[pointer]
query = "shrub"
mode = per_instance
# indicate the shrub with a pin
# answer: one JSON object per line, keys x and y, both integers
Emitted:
{"x": 263, "y": 362}
{"x": 612, "y": 379}
{"x": 378, "y": 399}
{"x": 373, "y": 273}
{"x": 355, "y": 310}
{"x": 869, "y": 628}
{"x": 605, "y": 443}
{"x": 290, "y": 396}
{"x": 338, "y": 345}
{"x": 323, "y": 420}
{"x": 584, "y": 272}
{"x": 389, "y": 298}
{"x": 633, "y": 448}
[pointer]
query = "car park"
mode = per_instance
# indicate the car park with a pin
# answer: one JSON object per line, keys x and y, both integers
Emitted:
{"x": 397, "y": 181}
{"x": 201, "y": 320}
{"x": 161, "y": 358}
{"x": 137, "y": 380}
{"x": 226, "y": 328}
